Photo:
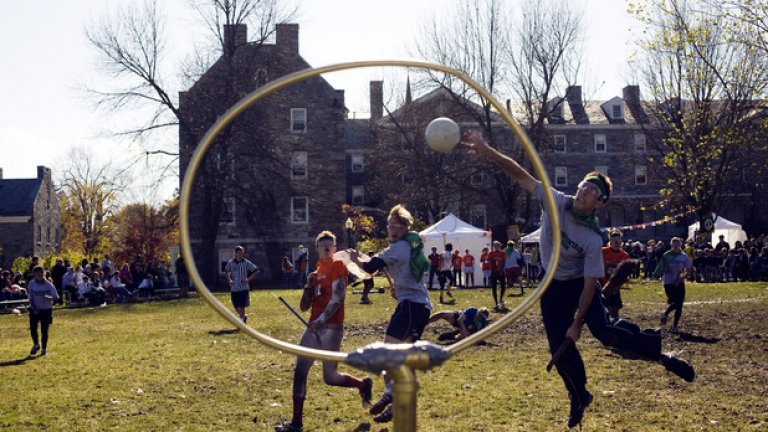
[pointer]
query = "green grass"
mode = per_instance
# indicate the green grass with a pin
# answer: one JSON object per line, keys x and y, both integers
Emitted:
{"x": 177, "y": 365}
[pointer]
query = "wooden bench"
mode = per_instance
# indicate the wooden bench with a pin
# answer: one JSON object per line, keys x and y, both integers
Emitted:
{"x": 167, "y": 293}
{"x": 6, "y": 305}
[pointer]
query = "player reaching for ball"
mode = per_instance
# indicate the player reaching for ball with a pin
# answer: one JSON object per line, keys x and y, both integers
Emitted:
{"x": 571, "y": 298}
{"x": 325, "y": 293}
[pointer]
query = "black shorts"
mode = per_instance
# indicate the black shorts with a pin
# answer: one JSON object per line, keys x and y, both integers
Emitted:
{"x": 675, "y": 294}
{"x": 43, "y": 316}
{"x": 445, "y": 275}
{"x": 408, "y": 321}
{"x": 241, "y": 299}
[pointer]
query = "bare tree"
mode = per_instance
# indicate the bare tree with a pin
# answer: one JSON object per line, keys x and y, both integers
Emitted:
{"x": 708, "y": 124}
{"x": 534, "y": 63}
{"x": 131, "y": 44}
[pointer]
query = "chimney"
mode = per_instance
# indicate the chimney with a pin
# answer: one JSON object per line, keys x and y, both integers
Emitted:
{"x": 573, "y": 96}
{"x": 377, "y": 100}
{"x": 235, "y": 36}
{"x": 631, "y": 94}
{"x": 287, "y": 38}
{"x": 43, "y": 172}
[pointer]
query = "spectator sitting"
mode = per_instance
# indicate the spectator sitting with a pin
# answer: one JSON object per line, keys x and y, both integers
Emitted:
{"x": 119, "y": 289}
{"x": 146, "y": 286}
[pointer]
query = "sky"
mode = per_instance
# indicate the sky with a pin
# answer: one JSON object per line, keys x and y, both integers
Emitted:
{"x": 45, "y": 61}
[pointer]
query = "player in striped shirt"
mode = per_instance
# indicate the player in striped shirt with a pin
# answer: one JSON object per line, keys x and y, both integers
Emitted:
{"x": 238, "y": 278}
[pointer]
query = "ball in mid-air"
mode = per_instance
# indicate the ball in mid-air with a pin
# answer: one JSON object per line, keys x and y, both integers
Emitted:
{"x": 442, "y": 134}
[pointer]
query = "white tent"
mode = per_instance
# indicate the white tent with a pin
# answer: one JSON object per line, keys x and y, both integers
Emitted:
{"x": 531, "y": 237}
{"x": 731, "y": 231}
{"x": 462, "y": 235}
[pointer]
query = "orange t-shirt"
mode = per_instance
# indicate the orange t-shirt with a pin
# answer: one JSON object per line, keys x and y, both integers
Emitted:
{"x": 329, "y": 274}
{"x": 469, "y": 260}
{"x": 485, "y": 261}
{"x": 612, "y": 259}
{"x": 456, "y": 261}
{"x": 497, "y": 259}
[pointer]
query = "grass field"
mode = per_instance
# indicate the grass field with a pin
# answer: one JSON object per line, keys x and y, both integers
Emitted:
{"x": 176, "y": 365}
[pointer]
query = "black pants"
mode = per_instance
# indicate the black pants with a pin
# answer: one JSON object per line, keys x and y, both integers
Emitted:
{"x": 45, "y": 318}
{"x": 675, "y": 299}
{"x": 559, "y": 304}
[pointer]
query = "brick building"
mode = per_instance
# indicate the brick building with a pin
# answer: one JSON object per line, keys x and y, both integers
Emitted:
{"x": 30, "y": 221}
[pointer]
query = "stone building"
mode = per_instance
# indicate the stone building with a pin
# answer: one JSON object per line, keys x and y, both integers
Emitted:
{"x": 30, "y": 221}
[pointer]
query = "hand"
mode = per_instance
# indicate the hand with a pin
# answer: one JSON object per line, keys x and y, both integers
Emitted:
{"x": 474, "y": 142}
{"x": 574, "y": 332}
{"x": 315, "y": 326}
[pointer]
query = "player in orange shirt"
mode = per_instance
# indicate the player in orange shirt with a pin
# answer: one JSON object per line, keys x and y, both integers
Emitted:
{"x": 613, "y": 255}
{"x": 468, "y": 267}
{"x": 485, "y": 266}
{"x": 324, "y": 293}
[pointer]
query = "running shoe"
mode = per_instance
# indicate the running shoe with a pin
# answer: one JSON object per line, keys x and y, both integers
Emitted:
{"x": 288, "y": 427}
{"x": 577, "y": 409}
{"x": 381, "y": 404}
{"x": 385, "y": 416}
{"x": 366, "y": 392}
{"x": 679, "y": 367}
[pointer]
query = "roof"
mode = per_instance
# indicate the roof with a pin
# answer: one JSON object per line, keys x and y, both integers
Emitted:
{"x": 17, "y": 196}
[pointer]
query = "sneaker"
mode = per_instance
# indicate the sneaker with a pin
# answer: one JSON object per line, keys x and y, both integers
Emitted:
{"x": 663, "y": 319}
{"x": 449, "y": 294}
{"x": 288, "y": 427}
{"x": 674, "y": 330}
{"x": 381, "y": 404}
{"x": 577, "y": 410}
{"x": 43, "y": 352}
{"x": 366, "y": 301}
{"x": 35, "y": 349}
{"x": 386, "y": 416}
{"x": 366, "y": 392}
{"x": 244, "y": 319}
{"x": 679, "y": 367}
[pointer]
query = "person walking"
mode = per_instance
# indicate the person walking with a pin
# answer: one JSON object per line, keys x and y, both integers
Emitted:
{"x": 240, "y": 272}
{"x": 41, "y": 294}
{"x": 674, "y": 266}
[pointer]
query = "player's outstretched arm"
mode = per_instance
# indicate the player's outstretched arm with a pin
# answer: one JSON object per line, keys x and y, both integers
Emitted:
{"x": 474, "y": 142}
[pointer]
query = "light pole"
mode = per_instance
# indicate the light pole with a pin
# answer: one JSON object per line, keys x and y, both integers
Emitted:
{"x": 349, "y": 225}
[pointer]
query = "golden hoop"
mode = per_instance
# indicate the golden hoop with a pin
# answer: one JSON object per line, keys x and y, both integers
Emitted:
{"x": 271, "y": 87}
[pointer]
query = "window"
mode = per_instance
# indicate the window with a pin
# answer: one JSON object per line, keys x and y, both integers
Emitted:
{"x": 358, "y": 195}
{"x": 617, "y": 111}
{"x": 477, "y": 178}
{"x": 477, "y": 215}
{"x": 298, "y": 120}
{"x": 640, "y": 175}
{"x": 299, "y": 210}
{"x": 602, "y": 169}
{"x": 299, "y": 165}
{"x": 600, "y": 146}
{"x": 227, "y": 216}
{"x": 559, "y": 143}
{"x": 639, "y": 143}
{"x": 356, "y": 161}
{"x": 561, "y": 176}
{"x": 260, "y": 77}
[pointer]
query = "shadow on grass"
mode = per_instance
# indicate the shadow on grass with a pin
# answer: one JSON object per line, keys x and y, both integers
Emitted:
{"x": 18, "y": 362}
{"x": 363, "y": 427}
{"x": 223, "y": 332}
{"x": 688, "y": 337}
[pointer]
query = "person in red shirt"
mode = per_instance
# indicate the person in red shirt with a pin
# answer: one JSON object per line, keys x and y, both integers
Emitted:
{"x": 613, "y": 255}
{"x": 434, "y": 266}
{"x": 468, "y": 267}
{"x": 485, "y": 266}
{"x": 456, "y": 263}
{"x": 324, "y": 294}
{"x": 497, "y": 257}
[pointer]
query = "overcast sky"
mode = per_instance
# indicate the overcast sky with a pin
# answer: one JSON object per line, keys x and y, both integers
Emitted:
{"x": 44, "y": 111}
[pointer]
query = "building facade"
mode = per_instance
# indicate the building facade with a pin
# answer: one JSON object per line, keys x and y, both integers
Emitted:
{"x": 30, "y": 220}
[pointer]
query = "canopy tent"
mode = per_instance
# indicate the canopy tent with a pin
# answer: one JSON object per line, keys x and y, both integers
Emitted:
{"x": 731, "y": 231}
{"x": 531, "y": 237}
{"x": 461, "y": 235}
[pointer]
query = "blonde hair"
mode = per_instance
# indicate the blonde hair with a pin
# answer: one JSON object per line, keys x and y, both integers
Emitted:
{"x": 325, "y": 235}
{"x": 402, "y": 215}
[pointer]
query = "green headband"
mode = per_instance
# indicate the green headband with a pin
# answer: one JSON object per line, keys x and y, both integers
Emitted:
{"x": 600, "y": 185}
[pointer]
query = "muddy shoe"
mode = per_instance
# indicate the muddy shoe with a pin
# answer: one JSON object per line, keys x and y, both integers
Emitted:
{"x": 577, "y": 409}
{"x": 381, "y": 404}
{"x": 386, "y": 416}
{"x": 366, "y": 392}
{"x": 288, "y": 427}
{"x": 679, "y": 367}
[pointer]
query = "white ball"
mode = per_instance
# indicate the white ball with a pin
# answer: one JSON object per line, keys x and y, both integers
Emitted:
{"x": 442, "y": 134}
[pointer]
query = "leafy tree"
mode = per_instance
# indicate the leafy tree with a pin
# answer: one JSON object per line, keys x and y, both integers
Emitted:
{"x": 707, "y": 123}
{"x": 141, "y": 229}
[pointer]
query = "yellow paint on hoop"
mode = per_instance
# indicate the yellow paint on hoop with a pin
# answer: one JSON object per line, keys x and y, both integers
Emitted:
{"x": 273, "y": 86}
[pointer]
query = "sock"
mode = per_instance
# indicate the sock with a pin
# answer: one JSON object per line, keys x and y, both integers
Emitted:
{"x": 350, "y": 381}
{"x": 298, "y": 411}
